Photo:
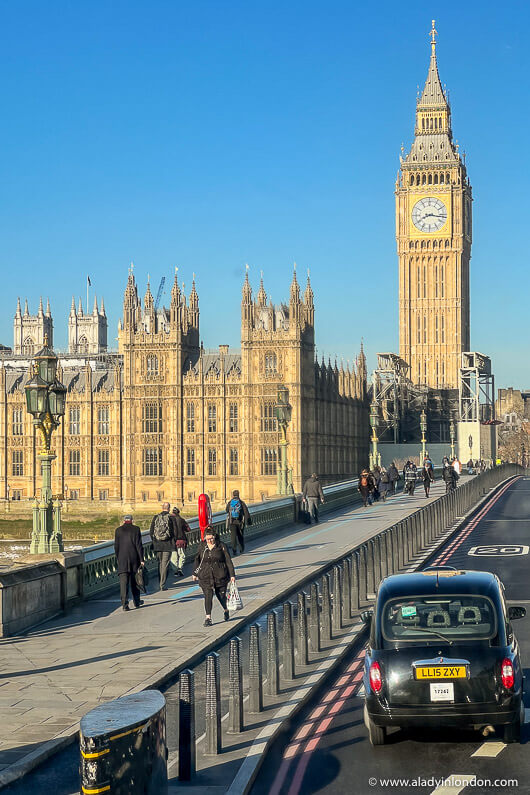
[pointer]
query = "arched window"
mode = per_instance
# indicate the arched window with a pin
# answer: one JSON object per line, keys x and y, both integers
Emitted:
{"x": 82, "y": 345}
{"x": 423, "y": 179}
{"x": 151, "y": 366}
{"x": 28, "y": 347}
{"x": 430, "y": 179}
{"x": 411, "y": 180}
{"x": 425, "y": 335}
{"x": 424, "y": 282}
{"x": 436, "y": 281}
{"x": 442, "y": 277}
{"x": 418, "y": 179}
{"x": 418, "y": 284}
{"x": 443, "y": 331}
{"x": 436, "y": 179}
{"x": 271, "y": 364}
{"x": 436, "y": 336}
{"x": 441, "y": 179}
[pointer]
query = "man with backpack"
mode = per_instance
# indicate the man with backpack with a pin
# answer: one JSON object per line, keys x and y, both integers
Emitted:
{"x": 163, "y": 534}
{"x": 366, "y": 487}
{"x": 178, "y": 556}
{"x": 313, "y": 495}
{"x": 238, "y": 516}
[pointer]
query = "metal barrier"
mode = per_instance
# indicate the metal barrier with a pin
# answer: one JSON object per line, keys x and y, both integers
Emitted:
{"x": 336, "y": 597}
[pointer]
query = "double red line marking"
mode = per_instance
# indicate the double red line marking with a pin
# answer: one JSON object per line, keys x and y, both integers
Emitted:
{"x": 315, "y": 727}
{"x": 461, "y": 537}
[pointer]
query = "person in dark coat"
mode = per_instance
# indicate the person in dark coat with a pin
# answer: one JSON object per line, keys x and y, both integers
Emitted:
{"x": 129, "y": 553}
{"x": 428, "y": 477}
{"x": 313, "y": 495}
{"x": 178, "y": 556}
{"x": 238, "y": 517}
{"x": 163, "y": 535}
{"x": 450, "y": 477}
{"x": 393, "y": 476}
{"x": 366, "y": 487}
{"x": 410, "y": 474}
{"x": 384, "y": 483}
{"x": 213, "y": 568}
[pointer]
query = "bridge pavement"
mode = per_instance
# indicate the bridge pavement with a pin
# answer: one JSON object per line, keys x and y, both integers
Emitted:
{"x": 52, "y": 675}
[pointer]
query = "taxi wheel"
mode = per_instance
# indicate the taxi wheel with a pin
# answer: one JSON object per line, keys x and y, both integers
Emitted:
{"x": 512, "y": 731}
{"x": 377, "y": 734}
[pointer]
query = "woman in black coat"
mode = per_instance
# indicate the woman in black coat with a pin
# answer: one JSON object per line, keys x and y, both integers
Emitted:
{"x": 213, "y": 569}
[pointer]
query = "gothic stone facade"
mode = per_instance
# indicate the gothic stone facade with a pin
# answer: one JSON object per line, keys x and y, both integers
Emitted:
{"x": 165, "y": 419}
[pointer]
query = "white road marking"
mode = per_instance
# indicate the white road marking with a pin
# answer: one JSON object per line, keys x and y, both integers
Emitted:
{"x": 454, "y": 784}
{"x": 489, "y": 749}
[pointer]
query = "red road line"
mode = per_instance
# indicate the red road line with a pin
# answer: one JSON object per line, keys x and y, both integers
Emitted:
{"x": 340, "y": 701}
{"x": 447, "y": 553}
{"x": 336, "y": 696}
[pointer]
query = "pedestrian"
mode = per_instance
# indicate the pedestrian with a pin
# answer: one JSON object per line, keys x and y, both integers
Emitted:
{"x": 470, "y": 467}
{"x": 427, "y": 477}
{"x": 384, "y": 484}
{"x": 450, "y": 477}
{"x": 163, "y": 535}
{"x": 238, "y": 517}
{"x": 366, "y": 487}
{"x": 445, "y": 462}
{"x": 313, "y": 495}
{"x": 457, "y": 466}
{"x": 393, "y": 475}
{"x": 376, "y": 474}
{"x": 410, "y": 473}
{"x": 129, "y": 553}
{"x": 214, "y": 570}
{"x": 178, "y": 556}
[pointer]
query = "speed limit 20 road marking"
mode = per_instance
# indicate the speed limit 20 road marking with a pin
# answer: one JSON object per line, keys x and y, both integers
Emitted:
{"x": 498, "y": 550}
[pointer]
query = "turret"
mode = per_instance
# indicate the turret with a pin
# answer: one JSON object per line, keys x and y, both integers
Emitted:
{"x": 295, "y": 305}
{"x": 309, "y": 306}
{"x": 247, "y": 307}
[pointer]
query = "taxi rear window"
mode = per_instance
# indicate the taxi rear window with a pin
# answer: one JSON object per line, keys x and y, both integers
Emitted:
{"x": 421, "y": 618}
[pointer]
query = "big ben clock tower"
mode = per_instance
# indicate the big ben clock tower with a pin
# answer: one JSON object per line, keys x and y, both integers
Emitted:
{"x": 433, "y": 232}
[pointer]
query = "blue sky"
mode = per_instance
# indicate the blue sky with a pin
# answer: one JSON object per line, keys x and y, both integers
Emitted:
{"x": 207, "y": 135}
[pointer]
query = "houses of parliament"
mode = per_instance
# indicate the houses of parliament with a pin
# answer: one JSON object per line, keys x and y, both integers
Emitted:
{"x": 165, "y": 419}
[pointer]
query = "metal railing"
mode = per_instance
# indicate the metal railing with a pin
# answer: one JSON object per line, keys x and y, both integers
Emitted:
{"x": 337, "y": 592}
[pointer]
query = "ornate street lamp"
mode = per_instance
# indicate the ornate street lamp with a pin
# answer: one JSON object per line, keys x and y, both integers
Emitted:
{"x": 282, "y": 412}
{"x": 45, "y": 401}
{"x": 423, "y": 428}
{"x": 452, "y": 435}
{"x": 470, "y": 443}
{"x": 375, "y": 456}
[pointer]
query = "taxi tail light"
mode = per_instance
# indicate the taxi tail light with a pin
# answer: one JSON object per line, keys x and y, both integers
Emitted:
{"x": 376, "y": 681}
{"x": 507, "y": 674}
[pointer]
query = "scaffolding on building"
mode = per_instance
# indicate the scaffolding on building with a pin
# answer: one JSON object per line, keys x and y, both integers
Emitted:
{"x": 476, "y": 394}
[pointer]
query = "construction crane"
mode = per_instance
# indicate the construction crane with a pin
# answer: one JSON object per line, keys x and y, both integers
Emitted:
{"x": 160, "y": 291}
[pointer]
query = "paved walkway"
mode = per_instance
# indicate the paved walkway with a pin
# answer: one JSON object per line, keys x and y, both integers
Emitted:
{"x": 53, "y": 675}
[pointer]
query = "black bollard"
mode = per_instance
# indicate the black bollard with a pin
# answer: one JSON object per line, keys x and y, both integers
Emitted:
{"x": 123, "y": 746}
{"x": 288, "y": 642}
{"x": 314, "y": 618}
{"x": 337, "y": 600}
{"x": 235, "y": 687}
{"x": 186, "y": 725}
{"x": 326, "y": 609}
{"x": 355, "y": 595}
{"x": 301, "y": 634}
{"x": 213, "y": 705}
{"x": 346, "y": 589}
{"x": 273, "y": 662}
{"x": 255, "y": 674}
{"x": 363, "y": 573}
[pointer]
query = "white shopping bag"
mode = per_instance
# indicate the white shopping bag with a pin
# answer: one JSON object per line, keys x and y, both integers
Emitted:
{"x": 233, "y": 601}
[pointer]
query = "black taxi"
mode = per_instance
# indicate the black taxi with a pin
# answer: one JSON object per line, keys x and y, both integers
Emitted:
{"x": 442, "y": 653}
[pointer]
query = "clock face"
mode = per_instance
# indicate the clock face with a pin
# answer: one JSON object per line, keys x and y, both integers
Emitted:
{"x": 429, "y": 214}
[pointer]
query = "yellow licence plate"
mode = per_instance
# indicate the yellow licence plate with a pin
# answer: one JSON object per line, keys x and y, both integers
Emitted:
{"x": 441, "y": 672}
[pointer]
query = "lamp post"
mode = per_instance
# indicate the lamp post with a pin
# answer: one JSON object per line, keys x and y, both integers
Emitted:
{"x": 452, "y": 435}
{"x": 470, "y": 443}
{"x": 283, "y": 411}
{"x": 45, "y": 401}
{"x": 423, "y": 428}
{"x": 375, "y": 456}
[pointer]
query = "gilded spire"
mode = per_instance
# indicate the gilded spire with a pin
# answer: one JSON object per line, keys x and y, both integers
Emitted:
{"x": 433, "y": 94}
{"x": 262, "y": 295}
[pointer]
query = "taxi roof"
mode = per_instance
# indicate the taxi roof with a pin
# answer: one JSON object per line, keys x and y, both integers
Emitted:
{"x": 439, "y": 581}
